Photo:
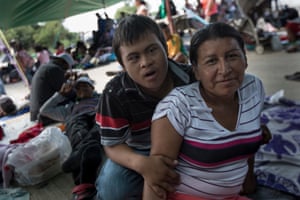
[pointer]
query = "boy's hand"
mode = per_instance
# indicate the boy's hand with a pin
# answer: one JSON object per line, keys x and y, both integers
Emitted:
{"x": 160, "y": 175}
{"x": 266, "y": 134}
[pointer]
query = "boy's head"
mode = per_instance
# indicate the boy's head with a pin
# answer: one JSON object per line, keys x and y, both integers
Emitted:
{"x": 133, "y": 28}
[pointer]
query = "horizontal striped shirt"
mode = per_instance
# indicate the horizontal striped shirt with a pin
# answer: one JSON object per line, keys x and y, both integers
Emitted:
{"x": 213, "y": 159}
{"x": 124, "y": 112}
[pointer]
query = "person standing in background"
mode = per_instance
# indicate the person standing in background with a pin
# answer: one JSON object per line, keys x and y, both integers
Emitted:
{"x": 210, "y": 8}
{"x": 25, "y": 61}
{"x": 141, "y": 7}
{"x": 42, "y": 56}
{"x": 60, "y": 48}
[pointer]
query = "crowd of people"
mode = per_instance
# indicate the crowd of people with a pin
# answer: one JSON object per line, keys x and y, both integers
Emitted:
{"x": 162, "y": 120}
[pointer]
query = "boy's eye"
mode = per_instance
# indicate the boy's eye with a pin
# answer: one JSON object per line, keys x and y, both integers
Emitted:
{"x": 133, "y": 58}
{"x": 152, "y": 49}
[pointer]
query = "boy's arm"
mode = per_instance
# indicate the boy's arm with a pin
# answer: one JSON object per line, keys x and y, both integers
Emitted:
{"x": 157, "y": 168}
{"x": 166, "y": 142}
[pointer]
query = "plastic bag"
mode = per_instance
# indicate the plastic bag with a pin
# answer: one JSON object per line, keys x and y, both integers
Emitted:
{"x": 41, "y": 158}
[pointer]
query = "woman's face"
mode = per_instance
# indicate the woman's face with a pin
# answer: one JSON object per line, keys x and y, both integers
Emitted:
{"x": 221, "y": 66}
{"x": 146, "y": 62}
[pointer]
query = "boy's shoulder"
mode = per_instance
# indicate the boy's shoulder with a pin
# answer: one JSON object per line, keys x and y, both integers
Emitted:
{"x": 119, "y": 84}
{"x": 182, "y": 72}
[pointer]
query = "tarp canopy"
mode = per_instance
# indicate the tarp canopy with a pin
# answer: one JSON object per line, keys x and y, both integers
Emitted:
{"x": 15, "y": 13}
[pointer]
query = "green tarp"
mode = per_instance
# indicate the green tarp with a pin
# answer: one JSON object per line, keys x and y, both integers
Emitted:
{"x": 15, "y": 13}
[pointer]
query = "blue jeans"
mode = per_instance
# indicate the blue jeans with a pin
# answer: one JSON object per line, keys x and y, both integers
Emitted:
{"x": 116, "y": 182}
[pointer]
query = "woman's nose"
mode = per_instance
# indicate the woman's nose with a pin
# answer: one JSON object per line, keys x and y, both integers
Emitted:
{"x": 224, "y": 66}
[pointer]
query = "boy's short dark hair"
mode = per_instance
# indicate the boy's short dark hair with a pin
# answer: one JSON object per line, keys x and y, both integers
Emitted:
{"x": 132, "y": 28}
{"x": 210, "y": 32}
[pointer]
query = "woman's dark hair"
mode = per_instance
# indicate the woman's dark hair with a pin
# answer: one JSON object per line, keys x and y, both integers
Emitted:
{"x": 211, "y": 32}
{"x": 132, "y": 28}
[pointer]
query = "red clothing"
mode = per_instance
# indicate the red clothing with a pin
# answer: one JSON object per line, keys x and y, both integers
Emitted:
{"x": 209, "y": 11}
{"x": 294, "y": 26}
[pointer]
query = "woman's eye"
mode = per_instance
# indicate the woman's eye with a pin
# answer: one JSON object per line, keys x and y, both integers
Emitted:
{"x": 233, "y": 56}
{"x": 211, "y": 62}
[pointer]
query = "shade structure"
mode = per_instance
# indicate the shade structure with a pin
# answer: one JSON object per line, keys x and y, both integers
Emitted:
{"x": 14, "y": 13}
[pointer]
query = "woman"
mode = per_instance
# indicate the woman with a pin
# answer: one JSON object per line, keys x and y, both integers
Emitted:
{"x": 212, "y": 127}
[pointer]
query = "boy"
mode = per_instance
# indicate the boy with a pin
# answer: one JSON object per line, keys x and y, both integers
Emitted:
{"x": 126, "y": 107}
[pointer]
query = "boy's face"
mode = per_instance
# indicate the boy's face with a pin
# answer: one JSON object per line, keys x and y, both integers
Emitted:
{"x": 146, "y": 62}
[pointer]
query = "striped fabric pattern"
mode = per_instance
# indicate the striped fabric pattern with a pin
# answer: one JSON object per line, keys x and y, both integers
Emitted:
{"x": 124, "y": 112}
{"x": 213, "y": 160}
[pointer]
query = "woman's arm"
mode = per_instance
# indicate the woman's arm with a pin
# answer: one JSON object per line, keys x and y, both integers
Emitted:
{"x": 165, "y": 141}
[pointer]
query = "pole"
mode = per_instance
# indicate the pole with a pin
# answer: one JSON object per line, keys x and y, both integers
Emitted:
{"x": 169, "y": 15}
{"x": 17, "y": 66}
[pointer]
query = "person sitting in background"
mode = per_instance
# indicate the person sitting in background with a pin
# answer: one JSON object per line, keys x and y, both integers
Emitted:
{"x": 7, "y": 106}
{"x": 46, "y": 81}
{"x": 176, "y": 49}
{"x": 191, "y": 124}
{"x": 78, "y": 114}
{"x": 79, "y": 52}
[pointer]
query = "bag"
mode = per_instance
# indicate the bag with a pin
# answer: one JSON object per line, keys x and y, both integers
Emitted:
{"x": 41, "y": 158}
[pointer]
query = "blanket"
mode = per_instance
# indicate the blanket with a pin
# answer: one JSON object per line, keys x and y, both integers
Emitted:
{"x": 278, "y": 163}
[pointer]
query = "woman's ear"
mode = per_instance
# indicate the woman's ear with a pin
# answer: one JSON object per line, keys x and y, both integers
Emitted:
{"x": 196, "y": 72}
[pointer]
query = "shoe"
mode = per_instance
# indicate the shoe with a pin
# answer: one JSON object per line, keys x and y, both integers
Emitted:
{"x": 291, "y": 49}
{"x": 85, "y": 191}
{"x": 293, "y": 77}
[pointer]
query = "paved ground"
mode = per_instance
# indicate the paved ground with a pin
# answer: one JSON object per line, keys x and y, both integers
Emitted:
{"x": 271, "y": 67}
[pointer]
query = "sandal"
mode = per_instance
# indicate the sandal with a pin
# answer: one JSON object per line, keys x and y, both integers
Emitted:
{"x": 84, "y": 192}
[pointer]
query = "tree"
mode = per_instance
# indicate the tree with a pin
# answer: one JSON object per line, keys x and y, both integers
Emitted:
{"x": 45, "y": 34}
{"x": 126, "y": 9}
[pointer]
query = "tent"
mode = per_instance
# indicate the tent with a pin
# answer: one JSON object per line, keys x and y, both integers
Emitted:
{"x": 15, "y": 13}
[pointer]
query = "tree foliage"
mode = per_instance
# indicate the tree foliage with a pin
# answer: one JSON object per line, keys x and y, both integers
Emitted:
{"x": 126, "y": 9}
{"x": 45, "y": 34}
